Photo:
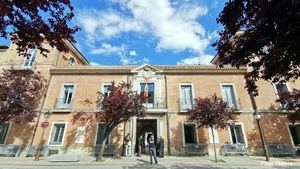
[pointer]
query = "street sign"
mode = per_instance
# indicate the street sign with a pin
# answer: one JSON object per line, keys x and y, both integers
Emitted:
{"x": 45, "y": 124}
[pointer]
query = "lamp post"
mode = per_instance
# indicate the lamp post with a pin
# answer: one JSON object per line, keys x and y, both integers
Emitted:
{"x": 44, "y": 125}
{"x": 257, "y": 116}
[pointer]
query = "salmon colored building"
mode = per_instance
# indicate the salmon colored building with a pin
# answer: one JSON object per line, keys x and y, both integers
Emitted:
{"x": 171, "y": 90}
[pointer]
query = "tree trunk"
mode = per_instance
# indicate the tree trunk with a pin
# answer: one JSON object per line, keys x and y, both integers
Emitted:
{"x": 213, "y": 135}
{"x": 101, "y": 150}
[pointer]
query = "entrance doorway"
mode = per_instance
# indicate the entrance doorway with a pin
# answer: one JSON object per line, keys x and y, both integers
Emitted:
{"x": 146, "y": 128}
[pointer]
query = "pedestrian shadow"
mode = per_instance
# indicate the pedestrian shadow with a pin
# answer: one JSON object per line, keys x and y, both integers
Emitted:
{"x": 191, "y": 166}
{"x": 144, "y": 161}
{"x": 145, "y": 166}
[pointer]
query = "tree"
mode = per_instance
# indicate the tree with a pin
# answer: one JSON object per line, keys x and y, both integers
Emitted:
{"x": 290, "y": 101}
{"x": 263, "y": 35}
{"x": 20, "y": 95}
{"x": 211, "y": 112}
{"x": 31, "y": 22}
{"x": 113, "y": 109}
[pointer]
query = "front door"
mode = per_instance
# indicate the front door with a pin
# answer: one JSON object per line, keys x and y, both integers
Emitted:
{"x": 146, "y": 128}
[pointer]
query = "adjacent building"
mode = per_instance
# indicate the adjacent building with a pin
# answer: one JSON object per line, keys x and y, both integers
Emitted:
{"x": 171, "y": 91}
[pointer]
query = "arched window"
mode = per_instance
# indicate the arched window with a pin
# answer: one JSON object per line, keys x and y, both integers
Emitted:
{"x": 71, "y": 62}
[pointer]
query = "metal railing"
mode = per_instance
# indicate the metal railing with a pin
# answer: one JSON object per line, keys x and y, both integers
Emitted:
{"x": 184, "y": 105}
{"x": 61, "y": 104}
{"x": 157, "y": 103}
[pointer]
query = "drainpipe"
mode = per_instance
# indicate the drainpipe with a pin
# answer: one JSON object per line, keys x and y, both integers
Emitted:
{"x": 40, "y": 111}
{"x": 167, "y": 118}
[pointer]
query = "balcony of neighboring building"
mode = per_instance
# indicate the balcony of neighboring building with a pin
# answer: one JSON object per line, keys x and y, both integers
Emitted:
{"x": 63, "y": 104}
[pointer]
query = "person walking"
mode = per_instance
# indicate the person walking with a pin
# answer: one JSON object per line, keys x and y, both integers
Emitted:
{"x": 152, "y": 149}
{"x": 161, "y": 146}
{"x": 127, "y": 143}
{"x": 140, "y": 143}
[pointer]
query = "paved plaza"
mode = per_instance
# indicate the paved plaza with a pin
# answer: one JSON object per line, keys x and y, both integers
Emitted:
{"x": 169, "y": 162}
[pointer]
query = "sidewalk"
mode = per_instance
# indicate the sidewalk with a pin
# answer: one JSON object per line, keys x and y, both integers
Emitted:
{"x": 167, "y": 160}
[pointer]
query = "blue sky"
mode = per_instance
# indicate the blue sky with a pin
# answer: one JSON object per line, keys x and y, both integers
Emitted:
{"x": 161, "y": 32}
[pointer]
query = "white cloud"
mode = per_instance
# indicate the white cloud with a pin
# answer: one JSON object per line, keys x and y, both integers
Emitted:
{"x": 99, "y": 25}
{"x": 127, "y": 59}
{"x": 106, "y": 49}
{"x": 213, "y": 35}
{"x": 175, "y": 28}
{"x": 94, "y": 64}
{"x": 202, "y": 60}
{"x": 132, "y": 53}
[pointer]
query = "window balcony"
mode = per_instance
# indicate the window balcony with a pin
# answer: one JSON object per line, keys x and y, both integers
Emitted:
{"x": 156, "y": 103}
{"x": 61, "y": 104}
{"x": 184, "y": 105}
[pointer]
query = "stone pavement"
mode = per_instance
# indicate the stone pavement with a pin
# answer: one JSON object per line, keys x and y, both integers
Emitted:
{"x": 172, "y": 162}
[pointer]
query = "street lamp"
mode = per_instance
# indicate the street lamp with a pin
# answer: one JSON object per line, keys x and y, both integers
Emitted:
{"x": 44, "y": 125}
{"x": 257, "y": 116}
{"x": 47, "y": 115}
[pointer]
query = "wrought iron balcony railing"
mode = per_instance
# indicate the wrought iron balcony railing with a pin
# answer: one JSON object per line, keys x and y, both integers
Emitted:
{"x": 184, "y": 105}
{"x": 156, "y": 103}
{"x": 63, "y": 104}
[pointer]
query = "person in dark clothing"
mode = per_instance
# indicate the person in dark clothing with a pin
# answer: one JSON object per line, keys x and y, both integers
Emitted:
{"x": 152, "y": 149}
{"x": 140, "y": 143}
{"x": 160, "y": 147}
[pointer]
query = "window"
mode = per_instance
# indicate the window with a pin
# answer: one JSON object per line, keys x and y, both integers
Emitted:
{"x": 295, "y": 134}
{"x": 68, "y": 93}
{"x": 30, "y": 57}
{"x": 100, "y": 133}
{"x": 79, "y": 138}
{"x": 106, "y": 90}
{"x": 147, "y": 90}
{"x": 57, "y": 135}
{"x": 186, "y": 97}
{"x": 66, "y": 97}
{"x": 190, "y": 136}
{"x": 228, "y": 95}
{"x": 3, "y": 132}
{"x": 237, "y": 134}
{"x": 280, "y": 88}
{"x": 71, "y": 62}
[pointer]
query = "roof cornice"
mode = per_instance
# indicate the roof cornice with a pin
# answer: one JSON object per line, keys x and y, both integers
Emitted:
{"x": 175, "y": 69}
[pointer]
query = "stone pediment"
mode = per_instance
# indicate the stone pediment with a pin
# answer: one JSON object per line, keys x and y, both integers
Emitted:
{"x": 147, "y": 68}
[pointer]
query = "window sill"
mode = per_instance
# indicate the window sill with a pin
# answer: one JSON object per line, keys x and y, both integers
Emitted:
{"x": 61, "y": 111}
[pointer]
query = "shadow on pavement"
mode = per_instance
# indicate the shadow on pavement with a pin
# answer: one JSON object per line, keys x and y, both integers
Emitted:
{"x": 147, "y": 165}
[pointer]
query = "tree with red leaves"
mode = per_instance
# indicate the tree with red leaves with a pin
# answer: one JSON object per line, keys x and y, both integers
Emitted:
{"x": 211, "y": 112}
{"x": 113, "y": 109}
{"x": 290, "y": 101}
{"x": 32, "y": 22}
{"x": 263, "y": 35}
{"x": 20, "y": 95}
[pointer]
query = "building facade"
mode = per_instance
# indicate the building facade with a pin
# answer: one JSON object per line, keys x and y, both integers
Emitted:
{"x": 171, "y": 91}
